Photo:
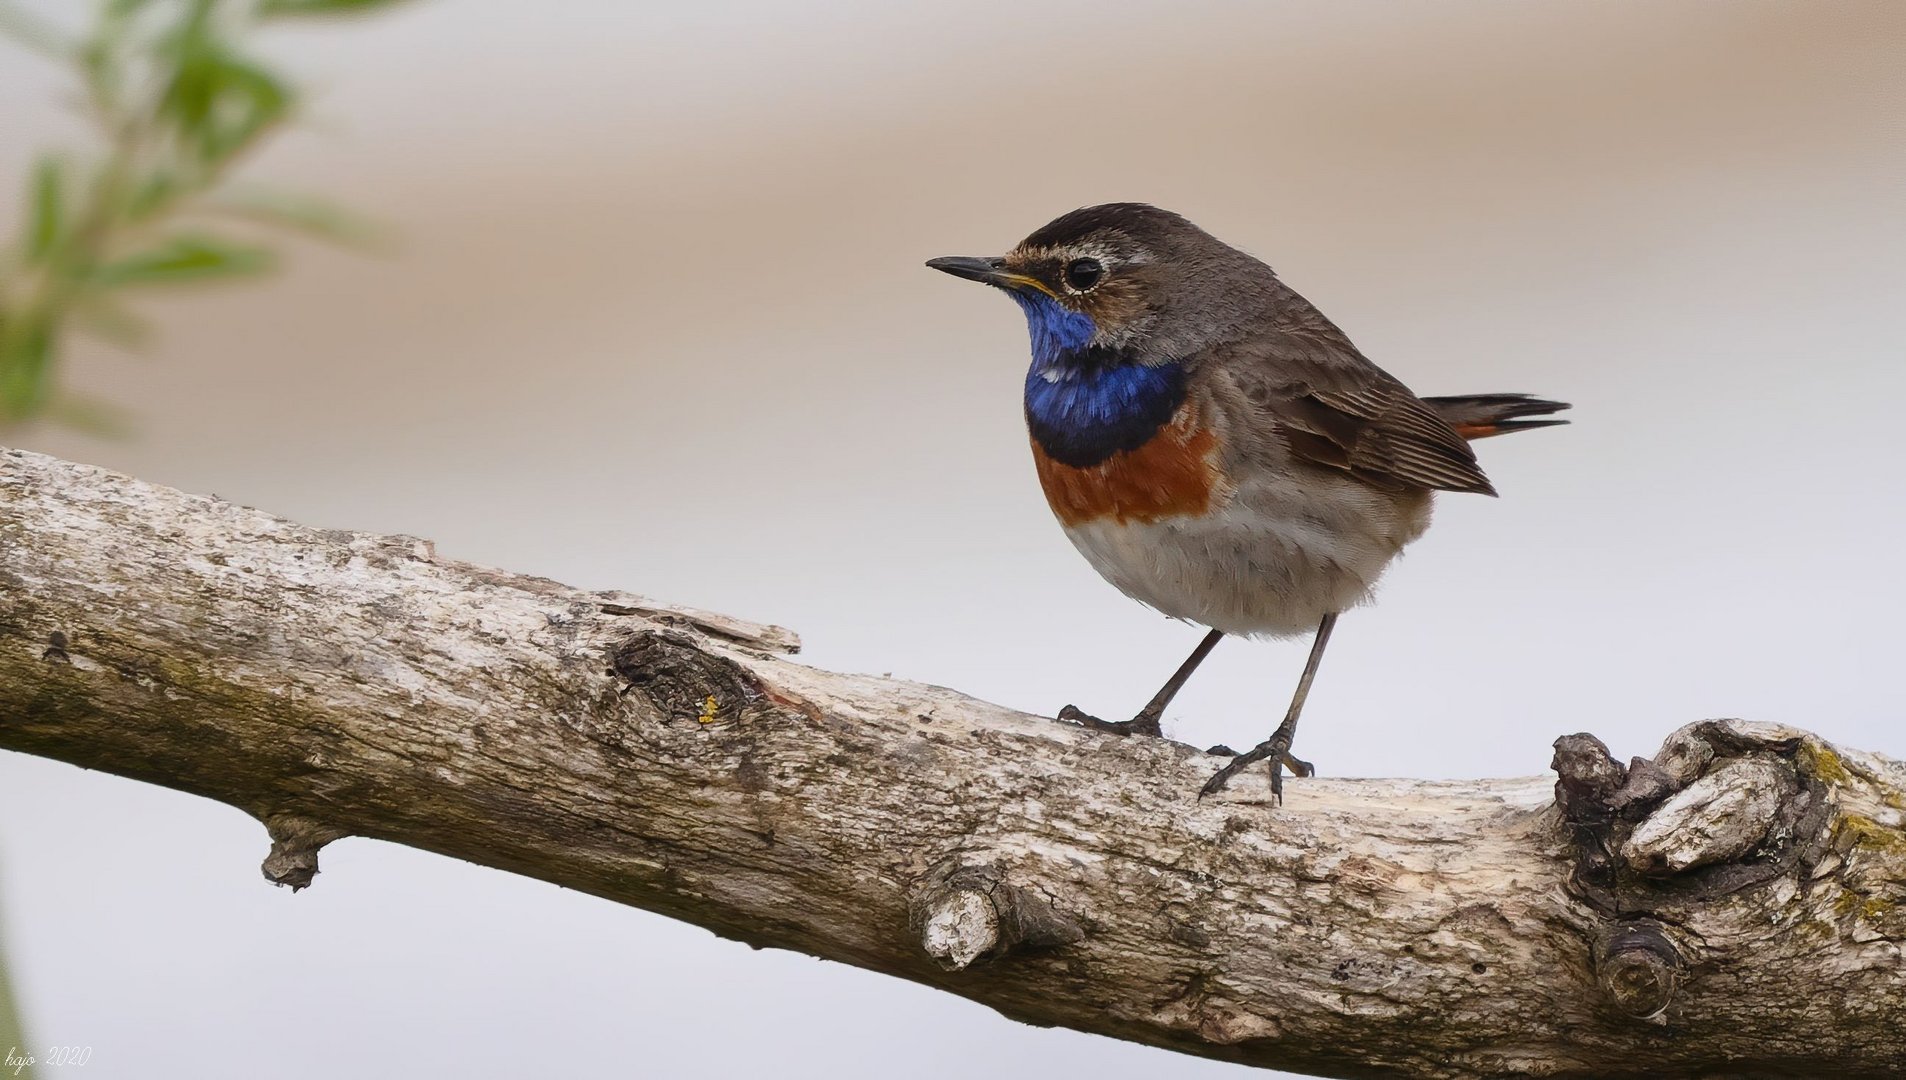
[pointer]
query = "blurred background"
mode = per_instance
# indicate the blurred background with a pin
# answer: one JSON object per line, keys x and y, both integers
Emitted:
{"x": 653, "y": 317}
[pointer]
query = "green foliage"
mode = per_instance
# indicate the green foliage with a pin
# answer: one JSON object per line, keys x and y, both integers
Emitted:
{"x": 273, "y": 8}
{"x": 45, "y": 210}
{"x": 12, "y": 1037}
{"x": 181, "y": 259}
{"x": 178, "y": 102}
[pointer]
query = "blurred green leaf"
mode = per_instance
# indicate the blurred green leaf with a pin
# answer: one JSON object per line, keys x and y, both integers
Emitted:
{"x": 25, "y": 354}
{"x": 151, "y": 195}
{"x": 190, "y": 91}
{"x": 46, "y": 210}
{"x": 177, "y": 99}
{"x": 271, "y": 9}
{"x": 301, "y": 213}
{"x": 190, "y": 71}
{"x": 185, "y": 259}
{"x": 220, "y": 102}
{"x": 252, "y": 100}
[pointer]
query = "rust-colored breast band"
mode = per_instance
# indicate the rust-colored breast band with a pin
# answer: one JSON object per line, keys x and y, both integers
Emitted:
{"x": 1175, "y": 474}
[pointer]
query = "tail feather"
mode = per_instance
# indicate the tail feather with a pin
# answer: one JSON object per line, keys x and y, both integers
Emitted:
{"x": 1479, "y": 416}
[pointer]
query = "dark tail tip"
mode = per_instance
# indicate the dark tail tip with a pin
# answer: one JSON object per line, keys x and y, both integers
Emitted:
{"x": 1479, "y": 416}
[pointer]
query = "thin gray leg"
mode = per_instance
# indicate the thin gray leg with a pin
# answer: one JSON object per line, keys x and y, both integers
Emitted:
{"x": 1277, "y": 748}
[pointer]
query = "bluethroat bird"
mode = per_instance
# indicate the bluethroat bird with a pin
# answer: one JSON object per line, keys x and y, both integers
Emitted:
{"x": 1214, "y": 446}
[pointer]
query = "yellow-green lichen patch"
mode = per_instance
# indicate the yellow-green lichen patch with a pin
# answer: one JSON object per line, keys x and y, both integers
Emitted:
{"x": 1853, "y": 830}
{"x": 1829, "y": 768}
{"x": 1823, "y": 764}
{"x": 1869, "y": 908}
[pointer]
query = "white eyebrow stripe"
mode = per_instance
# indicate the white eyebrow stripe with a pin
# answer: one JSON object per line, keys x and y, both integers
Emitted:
{"x": 1099, "y": 250}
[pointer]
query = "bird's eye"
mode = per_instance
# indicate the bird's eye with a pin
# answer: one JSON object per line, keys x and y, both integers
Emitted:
{"x": 1082, "y": 274}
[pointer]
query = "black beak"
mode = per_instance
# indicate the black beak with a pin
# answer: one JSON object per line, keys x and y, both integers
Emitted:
{"x": 985, "y": 271}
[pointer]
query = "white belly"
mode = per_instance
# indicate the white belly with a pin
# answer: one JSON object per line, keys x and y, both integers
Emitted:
{"x": 1272, "y": 562}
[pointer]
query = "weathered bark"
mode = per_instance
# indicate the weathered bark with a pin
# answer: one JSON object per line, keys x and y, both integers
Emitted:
{"x": 1737, "y": 906}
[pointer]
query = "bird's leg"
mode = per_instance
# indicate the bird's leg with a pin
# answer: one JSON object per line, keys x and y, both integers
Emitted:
{"x": 1146, "y": 722}
{"x": 1277, "y": 748}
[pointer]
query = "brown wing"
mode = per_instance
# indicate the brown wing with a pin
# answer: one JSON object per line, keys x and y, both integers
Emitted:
{"x": 1337, "y": 409}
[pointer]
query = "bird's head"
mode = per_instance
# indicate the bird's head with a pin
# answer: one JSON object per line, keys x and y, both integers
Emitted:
{"x": 1124, "y": 279}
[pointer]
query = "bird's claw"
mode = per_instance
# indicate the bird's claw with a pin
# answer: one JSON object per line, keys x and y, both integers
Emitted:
{"x": 1276, "y": 750}
{"x": 1142, "y": 724}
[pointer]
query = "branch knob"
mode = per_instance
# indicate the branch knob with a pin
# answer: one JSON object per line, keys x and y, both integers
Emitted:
{"x": 961, "y": 927}
{"x": 1638, "y": 968}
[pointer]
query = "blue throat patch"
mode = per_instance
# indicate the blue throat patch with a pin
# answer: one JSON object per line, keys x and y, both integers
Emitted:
{"x": 1084, "y": 404}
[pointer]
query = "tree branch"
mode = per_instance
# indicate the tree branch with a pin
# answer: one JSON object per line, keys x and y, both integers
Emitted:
{"x": 1737, "y": 906}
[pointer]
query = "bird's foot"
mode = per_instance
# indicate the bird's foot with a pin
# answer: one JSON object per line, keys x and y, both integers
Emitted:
{"x": 1297, "y": 765}
{"x": 1276, "y": 750}
{"x": 1144, "y": 723}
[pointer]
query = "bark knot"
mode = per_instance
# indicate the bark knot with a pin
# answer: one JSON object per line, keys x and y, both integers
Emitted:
{"x": 974, "y": 912}
{"x": 295, "y": 843}
{"x": 1718, "y": 810}
{"x": 1720, "y": 817}
{"x": 1639, "y": 968}
{"x": 682, "y": 681}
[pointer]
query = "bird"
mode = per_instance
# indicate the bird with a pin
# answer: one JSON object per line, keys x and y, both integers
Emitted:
{"x": 1215, "y": 447}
